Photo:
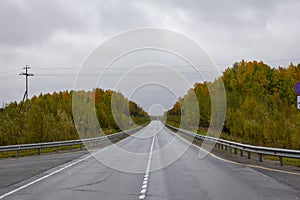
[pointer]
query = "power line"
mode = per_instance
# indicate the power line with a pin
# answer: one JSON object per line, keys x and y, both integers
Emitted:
{"x": 283, "y": 60}
{"x": 9, "y": 71}
{"x": 117, "y": 67}
{"x": 173, "y": 66}
{"x": 57, "y": 67}
{"x": 124, "y": 73}
{"x": 112, "y": 67}
{"x": 8, "y": 78}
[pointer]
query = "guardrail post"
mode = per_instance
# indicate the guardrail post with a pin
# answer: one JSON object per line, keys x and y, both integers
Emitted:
{"x": 17, "y": 153}
{"x": 226, "y": 148}
{"x": 80, "y": 146}
{"x": 260, "y": 157}
{"x": 70, "y": 147}
{"x": 280, "y": 160}
{"x": 39, "y": 151}
{"x": 260, "y": 151}
{"x": 56, "y": 149}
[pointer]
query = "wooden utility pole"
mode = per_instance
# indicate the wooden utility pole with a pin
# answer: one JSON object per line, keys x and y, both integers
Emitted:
{"x": 26, "y": 74}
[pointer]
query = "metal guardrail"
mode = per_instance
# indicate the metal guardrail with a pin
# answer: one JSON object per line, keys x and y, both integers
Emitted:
{"x": 260, "y": 150}
{"x": 70, "y": 143}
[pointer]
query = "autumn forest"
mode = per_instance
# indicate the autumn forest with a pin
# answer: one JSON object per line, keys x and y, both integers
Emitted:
{"x": 49, "y": 117}
{"x": 261, "y": 110}
{"x": 261, "y": 105}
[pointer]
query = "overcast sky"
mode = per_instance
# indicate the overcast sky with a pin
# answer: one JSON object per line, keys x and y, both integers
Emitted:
{"x": 54, "y": 37}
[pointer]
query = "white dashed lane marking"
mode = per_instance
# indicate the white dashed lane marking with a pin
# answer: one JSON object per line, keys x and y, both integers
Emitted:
{"x": 146, "y": 177}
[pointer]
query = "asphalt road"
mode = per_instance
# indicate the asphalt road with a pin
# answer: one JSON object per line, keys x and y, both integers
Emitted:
{"x": 152, "y": 164}
{"x": 13, "y": 171}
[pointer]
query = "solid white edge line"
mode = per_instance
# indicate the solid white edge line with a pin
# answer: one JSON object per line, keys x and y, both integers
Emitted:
{"x": 44, "y": 177}
{"x": 237, "y": 163}
{"x": 57, "y": 171}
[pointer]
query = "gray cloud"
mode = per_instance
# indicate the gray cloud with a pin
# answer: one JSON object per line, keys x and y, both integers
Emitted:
{"x": 58, "y": 34}
{"x": 30, "y": 22}
{"x": 115, "y": 16}
{"x": 233, "y": 30}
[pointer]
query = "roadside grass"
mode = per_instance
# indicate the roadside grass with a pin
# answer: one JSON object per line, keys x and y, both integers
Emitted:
{"x": 67, "y": 148}
{"x": 32, "y": 152}
{"x": 286, "y": 161}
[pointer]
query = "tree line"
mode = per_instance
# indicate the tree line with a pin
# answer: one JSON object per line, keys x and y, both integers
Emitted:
{"x": 261, "y": 105}
{"x": 49, "y": 117}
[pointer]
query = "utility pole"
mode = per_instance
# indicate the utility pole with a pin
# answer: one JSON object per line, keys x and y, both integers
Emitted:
{"x": 26, "y": 74}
